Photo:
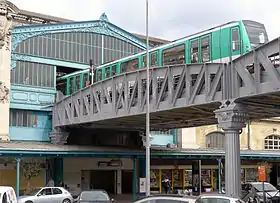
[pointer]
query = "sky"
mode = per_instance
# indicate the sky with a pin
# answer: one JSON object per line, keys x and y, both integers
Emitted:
{"x": 168, "y": 19}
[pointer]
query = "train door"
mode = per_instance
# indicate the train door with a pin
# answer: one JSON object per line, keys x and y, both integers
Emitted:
{"x": 235, "y": 42}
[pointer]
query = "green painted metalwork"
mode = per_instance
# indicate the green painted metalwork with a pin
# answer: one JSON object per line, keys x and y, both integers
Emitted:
{"x": 58, "y": 170}
{"x": 102, "y": 26}
{"x": 36, "y": 59}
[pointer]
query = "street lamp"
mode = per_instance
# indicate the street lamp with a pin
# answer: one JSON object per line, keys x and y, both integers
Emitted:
{"x": 147, "y": 104}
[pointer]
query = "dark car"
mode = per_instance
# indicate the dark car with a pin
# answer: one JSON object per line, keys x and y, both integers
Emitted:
{"x": 94, "y": 196}
{"x": 254, "y": 192}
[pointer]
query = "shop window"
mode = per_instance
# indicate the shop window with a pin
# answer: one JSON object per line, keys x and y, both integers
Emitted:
{"x": 272, "y": 142}
{"x": 215, "y": 140}
{"x": 155, "y": 183}
{"x": 174, "y": 55}
{"x": 251, "y": 175}
{"x": 206, "y": 177}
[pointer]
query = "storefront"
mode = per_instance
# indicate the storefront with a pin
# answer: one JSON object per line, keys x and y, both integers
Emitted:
{"x": 181, "y": 176}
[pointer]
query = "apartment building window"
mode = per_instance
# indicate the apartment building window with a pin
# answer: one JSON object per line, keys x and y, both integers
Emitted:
{"x": 215, "y": 140}
{"x": 22, "y": 118}
{"x": 272, "y": 142}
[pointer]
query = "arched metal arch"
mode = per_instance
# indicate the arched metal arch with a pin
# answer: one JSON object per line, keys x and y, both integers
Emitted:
{"x": 20, "y": 34}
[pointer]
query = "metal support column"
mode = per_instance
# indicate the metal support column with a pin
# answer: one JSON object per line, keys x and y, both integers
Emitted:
{"x": 231, "y": 118}
{"x": 134, "y": 179}
{"x": 219, "y": 176}
{"x": 147, "y": 104}
{"x": 18, "y": 177}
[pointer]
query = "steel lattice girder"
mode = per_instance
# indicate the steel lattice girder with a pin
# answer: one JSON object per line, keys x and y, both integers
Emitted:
{"x": 174, "y": 90}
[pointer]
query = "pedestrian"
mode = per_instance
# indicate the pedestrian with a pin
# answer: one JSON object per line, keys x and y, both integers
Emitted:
{"x": 60, "y": 184}
{"x": 50, "y": 183}
{"x": 166, "y": 185}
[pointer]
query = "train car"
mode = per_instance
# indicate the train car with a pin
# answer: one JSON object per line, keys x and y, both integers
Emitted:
{"x": 218, "y": 44}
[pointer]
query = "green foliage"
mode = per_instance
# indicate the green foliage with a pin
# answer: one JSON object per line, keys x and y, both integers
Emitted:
{"x": 31, "y": 168}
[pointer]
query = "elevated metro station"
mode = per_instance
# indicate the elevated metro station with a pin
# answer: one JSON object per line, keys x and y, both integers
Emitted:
{"x": 46, "y": 47}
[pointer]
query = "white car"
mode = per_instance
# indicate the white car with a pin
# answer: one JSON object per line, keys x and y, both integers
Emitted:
{"x": 7, "y": 194}
{"x": 46, "y": 195}
{"x": 163, "y": 198}
{"x": 216, "y": 198}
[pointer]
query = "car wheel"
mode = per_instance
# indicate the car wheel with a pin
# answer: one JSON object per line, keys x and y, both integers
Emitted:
{"x": 28, "y": 201}
{"x": 66, "y": 201}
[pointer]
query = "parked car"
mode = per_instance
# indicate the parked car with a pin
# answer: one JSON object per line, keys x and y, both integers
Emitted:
{"x": 253, "y": 192}
{"x": 7, "y": 195}
{"x": 167, "y": 198}
{"x": 206, "y": 198}
{"x": 46, "y": 195}
{"x": 217, "y": 198}
{"x": 94, "y": 196}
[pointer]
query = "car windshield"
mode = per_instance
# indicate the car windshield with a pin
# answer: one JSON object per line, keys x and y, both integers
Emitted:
{"x": 33, "y": 192}
{"x": 94, "y": 196}
{"x": 267, "y": 187}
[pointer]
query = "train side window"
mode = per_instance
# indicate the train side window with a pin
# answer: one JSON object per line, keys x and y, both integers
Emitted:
{"x": 114, "y": 70}
{"x": 124, "y": 66}
{"x": 85, "y": 80}
{"x": 154, "y": 59}
{"x": 174, "y": 55}
{"x": 72, "y": 85}
{"x": 205, "y": 49}
{"x": 98, "y": 74}
{"x": 77, "y": 82}
{"x": 145, "y": 61}
{"x": 129, "y": 65}
{"x": 235, "y": 39}
{"x": 194, "y": 51}
{"x": 107, "y": 72}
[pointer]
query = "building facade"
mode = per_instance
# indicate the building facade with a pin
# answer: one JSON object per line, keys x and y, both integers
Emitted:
{"x": 45, "y": 47}
{"x": 38, "y": 49}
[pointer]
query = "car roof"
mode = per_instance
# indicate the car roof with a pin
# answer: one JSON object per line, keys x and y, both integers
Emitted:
{"x": 5, "y": 188}
{"x": 95, "y": 190}
{"x": 169, "y": 196}
{"x": 217, "y": 195}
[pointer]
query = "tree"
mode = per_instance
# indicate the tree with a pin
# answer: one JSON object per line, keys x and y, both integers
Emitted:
{"x": 30, "y": 168}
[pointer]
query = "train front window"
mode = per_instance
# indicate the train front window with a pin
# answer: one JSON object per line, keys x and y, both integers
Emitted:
{"x": 256, "y": 33}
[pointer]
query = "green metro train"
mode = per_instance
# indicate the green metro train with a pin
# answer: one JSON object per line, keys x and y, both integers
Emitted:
{"x": 218, "y": 44}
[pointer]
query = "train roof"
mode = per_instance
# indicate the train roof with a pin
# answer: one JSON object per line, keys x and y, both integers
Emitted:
{"x": 229, "y": 24}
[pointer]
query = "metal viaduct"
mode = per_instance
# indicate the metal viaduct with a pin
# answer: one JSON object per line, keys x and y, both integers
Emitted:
{"x": 183, "y": 96}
